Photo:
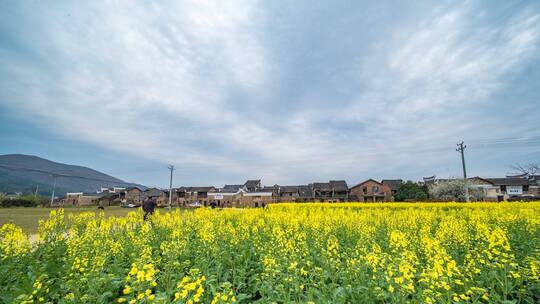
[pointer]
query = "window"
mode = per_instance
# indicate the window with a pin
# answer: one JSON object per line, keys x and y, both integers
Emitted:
{"x": 364, "y": 189}
{"x": 375, "y": 189}
{"x": 503, "y": 188}
{"x": 525, "y": 187}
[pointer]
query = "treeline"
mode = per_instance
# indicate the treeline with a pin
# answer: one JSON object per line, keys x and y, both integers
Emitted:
{"x": 24, "y": 201}
{"x": 451, "y": 190}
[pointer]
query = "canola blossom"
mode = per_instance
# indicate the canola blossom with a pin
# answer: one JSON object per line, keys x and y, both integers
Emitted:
{"x": 287, "y": 253}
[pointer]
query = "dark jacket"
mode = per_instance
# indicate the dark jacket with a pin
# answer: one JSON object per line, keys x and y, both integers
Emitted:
{"x": 149, "y": 205}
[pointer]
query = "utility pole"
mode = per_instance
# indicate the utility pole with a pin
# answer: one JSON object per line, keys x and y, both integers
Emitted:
{"x": 54, "y": 187}
{"x": 461, "y": 149}
{"x": 35, "y": 193}
{"x": 171, "y": 167}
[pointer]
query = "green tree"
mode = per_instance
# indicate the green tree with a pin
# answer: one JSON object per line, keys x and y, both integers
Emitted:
{"x": 411, "y": 191}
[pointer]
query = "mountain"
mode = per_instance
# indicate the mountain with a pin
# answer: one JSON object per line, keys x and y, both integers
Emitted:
{"x": 23, "y": 173}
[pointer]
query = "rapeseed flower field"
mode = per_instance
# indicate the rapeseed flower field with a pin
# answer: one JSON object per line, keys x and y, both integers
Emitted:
{"x": 286, "y": 253}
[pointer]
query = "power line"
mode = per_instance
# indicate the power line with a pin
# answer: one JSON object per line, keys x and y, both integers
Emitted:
{"x": 353, "y": 157}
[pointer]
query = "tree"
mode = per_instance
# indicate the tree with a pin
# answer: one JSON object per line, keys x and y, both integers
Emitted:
{"x": 411, "y": 191}
{"x": 529, "y": 169}
{"x": 454, "y": 190}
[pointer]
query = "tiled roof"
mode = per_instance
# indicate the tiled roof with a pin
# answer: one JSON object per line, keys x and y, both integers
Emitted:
{"x": 231, "y": 188}
{"x": 339, "y": 185}
{"x": 509, "y": 181}
{"x": 153, "y": 192}
{"x": 392, "y": 183}
{"x": 289, "y": 189}
{"x": 305, "y": 191}
{"x": 252, "y": 183}
{"x": 322, "y": 186}
{"x": 371, "y": 179}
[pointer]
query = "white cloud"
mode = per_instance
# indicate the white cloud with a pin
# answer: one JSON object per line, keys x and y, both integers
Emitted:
{"x": 188, "y": 83}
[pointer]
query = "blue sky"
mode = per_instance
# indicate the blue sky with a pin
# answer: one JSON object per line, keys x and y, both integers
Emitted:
{"x": 290, "y": 92}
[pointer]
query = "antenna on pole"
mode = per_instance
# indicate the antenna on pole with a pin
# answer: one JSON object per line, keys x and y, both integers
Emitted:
{"x": 461, "y": 148}
{"x": 171, "y": 167}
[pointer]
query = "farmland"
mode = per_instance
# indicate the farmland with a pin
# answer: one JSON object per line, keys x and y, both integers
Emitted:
{"x": 287, "y": 253}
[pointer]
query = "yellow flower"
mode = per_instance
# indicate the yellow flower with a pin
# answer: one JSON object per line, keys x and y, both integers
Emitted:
{"x": 121, "y": 300}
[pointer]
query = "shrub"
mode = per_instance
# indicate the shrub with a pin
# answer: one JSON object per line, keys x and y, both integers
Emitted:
{"x": 411, "y": 191}
{"x": 23, "y": 201}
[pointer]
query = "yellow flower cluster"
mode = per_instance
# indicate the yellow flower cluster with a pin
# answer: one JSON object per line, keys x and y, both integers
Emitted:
{"x": 225, "y": 295}
{"x": 286, "y": 253}
{"x": 140, "y": 282}
{"x": 13, "y": 242}
{"x": 190, "y": 288}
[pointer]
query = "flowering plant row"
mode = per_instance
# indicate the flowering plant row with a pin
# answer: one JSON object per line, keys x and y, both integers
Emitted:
{"x": 287, "y": 253}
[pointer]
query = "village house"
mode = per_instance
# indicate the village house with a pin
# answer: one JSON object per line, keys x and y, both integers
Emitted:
{"x": 515, "y": 187}
{"x": 305, "y": 193}
{"x": 498, "y": 188}
{"x": 490, "y": 192}
{"x": 227, "y": 197}
{"x": 132, "y": 195}
{"x": 111, "y": 189}
{"x": 340, "y": 190}
{"x": 254, "y": 199}
{"x": 371, "y": 191}
{"x": 252, "y": 185}
{"x": 393, "y": 184}
{"x": 159, "y": 195}
{"x": 249, "y": 194}
{"x": 333, "y": 191}
{"x": 190, "y": 195}
{"x": 82, "y": 198}
{"x": 274, "y": 189}
{"x": 321, "y": 191}
{"x": 289, "y": 193}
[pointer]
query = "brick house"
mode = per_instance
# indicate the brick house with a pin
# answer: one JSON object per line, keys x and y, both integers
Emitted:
{"x": 184, "y": 196}
{"x": 132, "y": 195}
{"x": 371, "y": 191}
{"x": 393, "y": 184}
{"x": 159, "y": 195}
{"x": 333, "y": 191}
{"x": 289, "y": 193}
{"x": 82, "y": 199}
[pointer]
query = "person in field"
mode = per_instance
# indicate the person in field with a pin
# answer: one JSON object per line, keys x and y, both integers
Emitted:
{"x": 149, "y": 205}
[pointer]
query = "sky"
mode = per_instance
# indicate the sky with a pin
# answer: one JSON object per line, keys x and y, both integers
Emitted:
{"x": 290, "y": 92}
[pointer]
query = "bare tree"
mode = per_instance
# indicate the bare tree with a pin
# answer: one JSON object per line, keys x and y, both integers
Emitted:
{"x": 529, "y": 169}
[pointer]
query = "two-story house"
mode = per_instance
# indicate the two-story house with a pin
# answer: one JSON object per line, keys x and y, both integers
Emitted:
{"x": 371, "y": 191}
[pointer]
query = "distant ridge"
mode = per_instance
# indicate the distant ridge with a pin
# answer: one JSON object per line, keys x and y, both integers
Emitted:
{"x": 23, "y": 173}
